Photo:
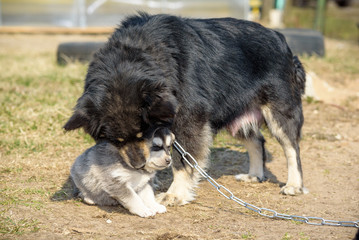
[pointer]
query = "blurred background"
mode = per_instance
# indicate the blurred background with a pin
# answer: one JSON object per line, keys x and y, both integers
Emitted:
{"x": 334, "y": 18}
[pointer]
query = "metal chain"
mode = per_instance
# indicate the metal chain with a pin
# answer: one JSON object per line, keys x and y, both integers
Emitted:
{"x": 261, "y": 211}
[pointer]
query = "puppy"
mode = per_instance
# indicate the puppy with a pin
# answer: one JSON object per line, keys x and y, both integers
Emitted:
{"x": 196, "y": 76}
{"x": 107, "y": 175}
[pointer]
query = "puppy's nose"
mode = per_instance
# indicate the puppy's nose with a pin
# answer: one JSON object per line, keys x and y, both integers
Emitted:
{"x": 168, "y": 160}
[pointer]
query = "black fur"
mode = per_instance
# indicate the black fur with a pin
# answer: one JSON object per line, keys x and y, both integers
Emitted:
{"x": 185, "y": 74}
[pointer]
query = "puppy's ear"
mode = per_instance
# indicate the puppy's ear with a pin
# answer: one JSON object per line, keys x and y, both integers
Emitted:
{"x": 137, "y": 154}
{"x": 77, "y": 120}
{"x": 160, "y": 105}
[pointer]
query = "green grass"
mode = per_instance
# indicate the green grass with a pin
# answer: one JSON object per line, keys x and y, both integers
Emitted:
{"x": 10, "y": 170}
{"x": 29, "y": 197}
{"x": 286, "y": 236}
{"x": 10, "y": 225}
{"x": 247, "y": 235}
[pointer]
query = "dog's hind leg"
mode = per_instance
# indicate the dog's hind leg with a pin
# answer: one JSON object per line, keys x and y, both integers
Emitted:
{"x": 246, "y": 128}
{"x": 285, "y": 124}
{"x": 185, "y": 179}
{"x": 257, "y": 155}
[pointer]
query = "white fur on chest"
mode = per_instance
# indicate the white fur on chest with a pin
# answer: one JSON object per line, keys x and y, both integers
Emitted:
{"x": 136, "y": 179}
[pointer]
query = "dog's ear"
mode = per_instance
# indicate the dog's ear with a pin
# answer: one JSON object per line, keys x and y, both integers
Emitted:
{"x": 163, "y": 109}
{"x": 160, "y": 105}
{"x": 77, "y": 120}
{"x": 80, "y": 117}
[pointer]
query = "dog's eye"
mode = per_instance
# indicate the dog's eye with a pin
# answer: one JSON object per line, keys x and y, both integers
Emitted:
{"x": 156, "y": 148}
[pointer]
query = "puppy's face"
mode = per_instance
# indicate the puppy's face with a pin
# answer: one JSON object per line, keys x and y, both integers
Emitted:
{"x": 150, "y": 155}
{"x": 160, "y": 155}
{"x": 125, "y": 95}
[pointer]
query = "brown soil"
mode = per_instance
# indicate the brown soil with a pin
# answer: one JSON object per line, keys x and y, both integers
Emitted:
{"x": 330, "y": 158}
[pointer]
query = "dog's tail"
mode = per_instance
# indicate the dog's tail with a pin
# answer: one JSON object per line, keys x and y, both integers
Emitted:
{"x": 299, "y": 74}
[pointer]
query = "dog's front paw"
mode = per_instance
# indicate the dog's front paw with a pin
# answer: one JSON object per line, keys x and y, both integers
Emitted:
{"x": 171, "y": 199}
{"x": 159, "y": 208}
{"x": 291, "y": 190}
{"x": 145, "y": 212}
{"x": 248, "y": 178}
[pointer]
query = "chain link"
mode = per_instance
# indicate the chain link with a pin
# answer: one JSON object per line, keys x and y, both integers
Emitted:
{"x": 261, "y": 211}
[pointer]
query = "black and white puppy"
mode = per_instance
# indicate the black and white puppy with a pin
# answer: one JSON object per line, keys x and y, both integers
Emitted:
{"x": 107, "y": 175}
{"x": 196, "y": 76}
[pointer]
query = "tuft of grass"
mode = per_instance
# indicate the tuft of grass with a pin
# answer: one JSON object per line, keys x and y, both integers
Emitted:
{"x": 35, "y": 191}
{"x": 286, "y": 236}
{"x": 247, "y": 235}
{"x": 303, "y": 236}
{"x": 10, "y": 225}
{"x": 9, "y": 170}
{"x": 14, "y": 198}
{"x": 310, "y": 100}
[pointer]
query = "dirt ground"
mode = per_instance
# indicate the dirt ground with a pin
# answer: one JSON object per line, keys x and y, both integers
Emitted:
{"x": 330, "y": 158}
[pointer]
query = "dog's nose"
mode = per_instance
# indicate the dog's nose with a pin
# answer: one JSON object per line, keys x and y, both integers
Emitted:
{"x": 168, "y": 160}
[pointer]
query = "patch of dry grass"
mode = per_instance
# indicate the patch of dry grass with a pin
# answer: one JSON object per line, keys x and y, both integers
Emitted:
{"x": 36, "y": 97}
{"x": 339, "y": 71}
{"x": 340, "y": 64}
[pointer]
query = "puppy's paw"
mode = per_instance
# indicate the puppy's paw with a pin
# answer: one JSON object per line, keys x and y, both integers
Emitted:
{"x": 248, "y": 178}
{"x": 291, "y": 190}
{"x": 171, "y": 199}
{"x": 145, "y": 212}
{"x": 88, "y": 201}
{"x": 159, "y": 208}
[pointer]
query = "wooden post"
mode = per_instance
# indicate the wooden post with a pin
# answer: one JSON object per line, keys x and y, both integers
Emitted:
{"x": 320, "y": 16}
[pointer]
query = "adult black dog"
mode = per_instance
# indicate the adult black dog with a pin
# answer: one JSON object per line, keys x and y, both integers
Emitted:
{"x": 196, "y": 76}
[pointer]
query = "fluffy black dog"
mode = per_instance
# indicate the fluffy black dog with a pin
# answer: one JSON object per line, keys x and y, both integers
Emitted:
{"x": 196, "y": 76}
